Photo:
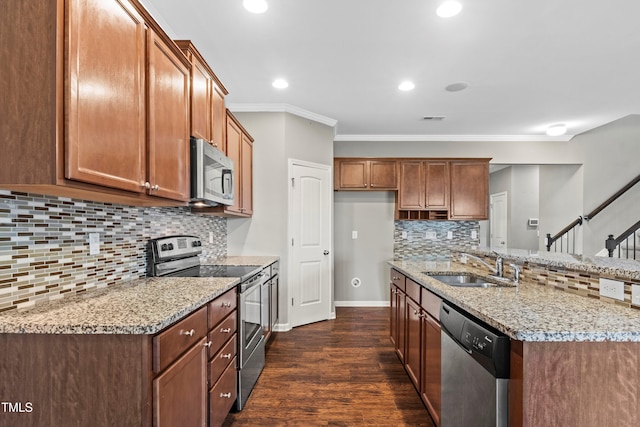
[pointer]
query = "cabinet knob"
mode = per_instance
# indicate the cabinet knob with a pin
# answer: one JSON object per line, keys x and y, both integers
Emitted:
{"x": 225, "y": 356}
{"x": 189, "y": 333}
{"x": 225, "y": 330}
{"x": 146, "y": 185}
{"x": 365, "y": 186}
{"x": 226, "y": 304}
{"x": 155, "y": 187}
{"x": 208, "y": 344}
{"x": 225, "y": 395}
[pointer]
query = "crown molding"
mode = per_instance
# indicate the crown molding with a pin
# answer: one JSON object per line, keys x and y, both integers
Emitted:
{"x": 451, "y": 138}
{"x": 282, "y": 108}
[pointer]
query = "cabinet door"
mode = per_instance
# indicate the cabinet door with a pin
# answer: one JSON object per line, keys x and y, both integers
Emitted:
{"x": 436, "y": 185}
{"x": 180, "y": 392}
{"x": 413, "y": 341}
{"x": 430, "y": 375}
{"x": 469, "y": 190}
{"x": 234, "y": 144}
{"x": 401, "y": 299}
{"x": 411, "y": 191}
{"x": 352, "y": 174}
{"x": 246, "y": 179}
{"x": 273, "y": 302}
{"x": 218, "y": 118}
{"x": 393, "y": 315}
{"x": 168, "y": 121}
{"x": 105, "y": 94}
{"x": 383, "y": 175}
{"x": 200, "y": 100}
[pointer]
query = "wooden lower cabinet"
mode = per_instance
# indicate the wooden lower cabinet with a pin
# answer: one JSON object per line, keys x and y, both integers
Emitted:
{"x": 180, "y": 392}
{"x": 223, "y": 394}
{"x": 430, "y": 366}
{"x": 415, "y": 334}
{"x": 397, "y": 316}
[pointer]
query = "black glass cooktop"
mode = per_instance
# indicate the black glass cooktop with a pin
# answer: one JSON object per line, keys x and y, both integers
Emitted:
{"x": 243, "y": 271}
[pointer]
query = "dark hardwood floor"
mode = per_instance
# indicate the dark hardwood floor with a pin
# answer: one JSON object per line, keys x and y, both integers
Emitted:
{"x": 341, "y": 372}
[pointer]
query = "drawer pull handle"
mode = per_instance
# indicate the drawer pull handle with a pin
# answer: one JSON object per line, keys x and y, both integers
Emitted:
{"x": 189, "y": 333}
{"x": 226, "y": 395}
{"x": 225, "y": 330}
{"x": 226, "y": 304}
{"x": 208, "y": 344}
{"x": 225, "y": 356}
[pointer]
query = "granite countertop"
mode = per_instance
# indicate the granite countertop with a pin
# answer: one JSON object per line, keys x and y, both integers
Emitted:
{"x": 530, "y": 312}
{"x": 140, "y": 306}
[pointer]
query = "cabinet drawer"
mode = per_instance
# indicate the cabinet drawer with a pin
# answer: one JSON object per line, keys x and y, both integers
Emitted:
{"x": 223, "y": 395}
{"x": 220, "y": 333}
{"x": 413, "y": 290}
{"x": 220, "y": 361}
{"x": 220, "y": 307}
{"x": 171, "y": 343}
{"x": 431, "y": 303}
{"x": 398, "y": 279}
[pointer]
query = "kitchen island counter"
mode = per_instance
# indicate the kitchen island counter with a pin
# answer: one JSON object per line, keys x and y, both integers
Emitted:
{"x": 530, "y": 312}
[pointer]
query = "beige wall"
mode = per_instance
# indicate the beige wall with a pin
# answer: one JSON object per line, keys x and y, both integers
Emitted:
{"x": 278, "y": 137}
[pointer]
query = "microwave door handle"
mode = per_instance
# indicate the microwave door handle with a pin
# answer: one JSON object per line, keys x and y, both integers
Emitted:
{"x": 227, "y": 172}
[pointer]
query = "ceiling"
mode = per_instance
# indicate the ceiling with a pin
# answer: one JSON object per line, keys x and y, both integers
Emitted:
{"x": 529, "y": 63}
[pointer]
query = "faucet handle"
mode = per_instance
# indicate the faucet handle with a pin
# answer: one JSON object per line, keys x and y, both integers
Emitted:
{"x": 516, "y": 272}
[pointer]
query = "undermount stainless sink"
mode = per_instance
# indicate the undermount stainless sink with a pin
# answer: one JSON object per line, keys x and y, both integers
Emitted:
{"x": 462, "y": 280}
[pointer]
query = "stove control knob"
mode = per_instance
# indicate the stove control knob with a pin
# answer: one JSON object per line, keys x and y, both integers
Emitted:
{"x": 196, "y": 243}
{"x": 164, "y": 247}
{"x": 170, "y": 246}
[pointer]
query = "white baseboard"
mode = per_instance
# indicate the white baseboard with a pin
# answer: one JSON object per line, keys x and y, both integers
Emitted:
{"x": 281, "y": 327}
{"x": 362, "y": 303}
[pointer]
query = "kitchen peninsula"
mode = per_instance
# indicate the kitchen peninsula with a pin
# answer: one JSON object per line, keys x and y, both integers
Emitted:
{"x": 574, "y": 358}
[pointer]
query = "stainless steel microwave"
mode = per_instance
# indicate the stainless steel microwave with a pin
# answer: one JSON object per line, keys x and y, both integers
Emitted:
{"x": 211, "y": 175}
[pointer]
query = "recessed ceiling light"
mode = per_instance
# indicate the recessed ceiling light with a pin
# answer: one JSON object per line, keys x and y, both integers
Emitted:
{"x": 557, "y": 130}
{"x": 448, "y": 9}
{"x": 406, "y": 86}
{"x": 255, "y": 6}
{"x": 457, "y": 86}
{"x": 280, "y": 84}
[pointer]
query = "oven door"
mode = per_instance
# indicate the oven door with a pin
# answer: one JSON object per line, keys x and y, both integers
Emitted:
{"x": 250, "y": 312}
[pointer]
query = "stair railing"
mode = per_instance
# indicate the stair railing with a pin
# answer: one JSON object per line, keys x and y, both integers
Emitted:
{"x": 611, "y": 244}
{"x": 572, "y": 227}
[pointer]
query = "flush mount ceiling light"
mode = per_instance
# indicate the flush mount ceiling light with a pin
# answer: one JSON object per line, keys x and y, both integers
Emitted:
{"x": 557, "y": 130}
{"x": 457, "y": 86}
{"x": 255, "y": 6}
{"x": 280, "y": 84}
{"x": 406, "y": 86}
{"x": 448, "y": 9}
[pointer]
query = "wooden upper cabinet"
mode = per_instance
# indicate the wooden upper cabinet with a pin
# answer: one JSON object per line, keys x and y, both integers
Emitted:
{"x": 246, "y": 169}
{"x": 469, "y": 190}
{"x": 365, "y": 174}
{"x": 424, "y": 185}
{"x": 106, "y": 138}
{"x": 218, "y": 118}
{"x": 168, "y": 121}
{"x": 208, "y": 118}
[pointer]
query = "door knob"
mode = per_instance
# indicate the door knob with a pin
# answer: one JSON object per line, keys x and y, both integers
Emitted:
{"x": 326, "y": 252}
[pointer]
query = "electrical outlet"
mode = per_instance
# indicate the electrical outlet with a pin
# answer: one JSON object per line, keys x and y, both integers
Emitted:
{"x": 354, "y": 234}
{"x": 612, "y": 289}
{"x": 211, "y": 237}
{"x": 635, "y": 294}
{"x": 449, "y": 235}
{"x": 404, "y": 234}
{"x": 94, "y": 243}
{"x": 430, "y": 235}
{"x": 463, "y": 259}
{"x": 474, "y": 234}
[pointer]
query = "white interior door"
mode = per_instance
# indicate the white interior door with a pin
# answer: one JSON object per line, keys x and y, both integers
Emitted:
{"x": 498, "y": 220}
{"x": 310, "y": 233}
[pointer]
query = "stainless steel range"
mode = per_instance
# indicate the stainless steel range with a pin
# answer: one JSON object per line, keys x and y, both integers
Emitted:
{"x": 177, "y": 256}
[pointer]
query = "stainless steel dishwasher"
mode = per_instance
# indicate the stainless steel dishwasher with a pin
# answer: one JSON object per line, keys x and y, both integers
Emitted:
{"x": 475, "y": 372}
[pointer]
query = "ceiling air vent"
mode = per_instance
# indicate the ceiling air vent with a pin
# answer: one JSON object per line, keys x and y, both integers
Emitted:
{"x": 433, "y": 118}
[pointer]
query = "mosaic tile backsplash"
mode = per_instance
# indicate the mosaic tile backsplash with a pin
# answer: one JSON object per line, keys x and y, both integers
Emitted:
{"x": 431, "y": 240}
{"x": 44, "y": 244}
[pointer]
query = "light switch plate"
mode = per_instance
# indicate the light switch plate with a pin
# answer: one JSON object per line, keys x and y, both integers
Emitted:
{"x": 635, "y": 294}
{"x": 354, "y": 234}
{"x": 612, "y": 289}
{"x": 430, "y": 235}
